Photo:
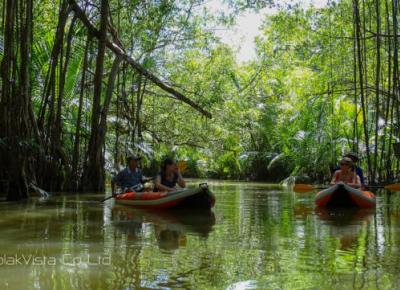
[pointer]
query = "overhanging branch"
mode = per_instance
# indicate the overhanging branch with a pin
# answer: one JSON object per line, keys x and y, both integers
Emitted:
{"x": 139, "y": 68}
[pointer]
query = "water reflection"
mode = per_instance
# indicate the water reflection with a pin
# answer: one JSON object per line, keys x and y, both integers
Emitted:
{"x": 170, "y": 226}
{"x": 346, "y": 223}
{"x": 257, "y": 237}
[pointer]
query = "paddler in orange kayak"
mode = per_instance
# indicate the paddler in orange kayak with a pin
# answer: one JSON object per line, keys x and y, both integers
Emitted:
{"x": 346, "y": 174}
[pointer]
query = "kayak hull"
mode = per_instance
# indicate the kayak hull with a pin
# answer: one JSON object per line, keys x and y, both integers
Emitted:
{"x": 342, "y": 195}
{"x": 199, "y": 197}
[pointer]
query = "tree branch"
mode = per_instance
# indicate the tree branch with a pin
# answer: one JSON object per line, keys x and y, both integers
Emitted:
{"x": 138, "y": 67}
{"x": 375, "y": 34}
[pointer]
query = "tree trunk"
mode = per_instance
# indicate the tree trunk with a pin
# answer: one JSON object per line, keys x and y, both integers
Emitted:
{"x": 355, "y": 124}
{"x": 389, "y": 80}
{"x": 395, "y": 103}
{"x": 108, "y": 96}
{"x": 377, "y": 82}
{"x": 74, "y": 181}
{"x": 93, "y": 177}
{"x": 15, "y": 137}
{"x": 361, "y": 80}
{"x": 49, "y": 89}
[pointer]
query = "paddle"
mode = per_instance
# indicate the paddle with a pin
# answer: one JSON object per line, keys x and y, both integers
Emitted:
{"x": 138, "y": 187}
{"x": 107, "y": 198}
{"x": 182, "y": 165}
{"x": 303, "y": 188}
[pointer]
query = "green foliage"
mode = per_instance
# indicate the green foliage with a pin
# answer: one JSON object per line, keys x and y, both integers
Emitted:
{"x": 294, "y": 110}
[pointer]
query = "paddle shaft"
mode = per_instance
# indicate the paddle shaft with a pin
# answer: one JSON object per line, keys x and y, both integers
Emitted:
{"x": 366, "y": 186}
{"x": 302, "y": 188}
{"x": 107, "y": 198}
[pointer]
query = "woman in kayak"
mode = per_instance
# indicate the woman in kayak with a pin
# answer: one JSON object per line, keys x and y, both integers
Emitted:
{"x": 346, "y": 174}
{"x": 355, "y": 158}
{"x": 169, "y": 176}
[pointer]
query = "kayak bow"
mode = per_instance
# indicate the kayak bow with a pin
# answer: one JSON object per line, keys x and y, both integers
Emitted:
{"x": 342, "y": 195}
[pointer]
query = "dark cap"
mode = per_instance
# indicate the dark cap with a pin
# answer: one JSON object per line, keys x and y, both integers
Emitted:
{"x": 353, "y": 156}
{"x": 132, "y": 157}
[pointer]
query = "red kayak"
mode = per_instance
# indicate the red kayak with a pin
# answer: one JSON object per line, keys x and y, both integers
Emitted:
{"x": 342, "y": 195}
{"x": 200, "y": 197}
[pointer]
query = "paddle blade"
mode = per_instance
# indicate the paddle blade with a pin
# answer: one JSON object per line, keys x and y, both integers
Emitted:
{"x": 393, "y": 187}
{"x": 302, "y": 188}
{"x": 182, "y": 165}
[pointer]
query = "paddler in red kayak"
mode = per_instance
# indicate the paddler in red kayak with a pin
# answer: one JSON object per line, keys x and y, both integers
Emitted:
{"x": 131, "y": 178}
{"x": 346, "y": 174}
{"x": 169, "y": 176}
{"x": 355, "y": 158}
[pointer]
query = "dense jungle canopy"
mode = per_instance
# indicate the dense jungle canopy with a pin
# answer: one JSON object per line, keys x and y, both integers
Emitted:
{"x": 84, "y": 83}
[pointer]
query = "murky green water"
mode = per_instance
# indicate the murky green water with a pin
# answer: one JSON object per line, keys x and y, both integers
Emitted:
{"x": 257, "y": 237}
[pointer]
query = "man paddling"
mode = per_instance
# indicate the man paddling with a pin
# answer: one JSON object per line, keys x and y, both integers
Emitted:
{"x": 131, "y": 177}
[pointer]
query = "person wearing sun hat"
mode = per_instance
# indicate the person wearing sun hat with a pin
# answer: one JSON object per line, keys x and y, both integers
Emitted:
{"x": 346, "y": 174}
{"x": 358, "y": 170}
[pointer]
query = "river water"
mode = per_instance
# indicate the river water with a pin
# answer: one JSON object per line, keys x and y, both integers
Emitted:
{"x": 258, "y": 236}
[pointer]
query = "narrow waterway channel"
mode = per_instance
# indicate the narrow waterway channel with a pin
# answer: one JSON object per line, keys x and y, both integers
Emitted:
{"x": 258, "y": 236}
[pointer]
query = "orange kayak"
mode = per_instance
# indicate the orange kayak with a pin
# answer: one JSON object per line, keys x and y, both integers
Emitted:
{"x": 199, "y": 197}
{"x": 342, "y": 195}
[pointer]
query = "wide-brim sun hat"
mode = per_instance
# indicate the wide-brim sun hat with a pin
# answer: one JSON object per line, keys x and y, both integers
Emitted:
{"x": 353, "y": 156}
{"x": 346, "y": 160}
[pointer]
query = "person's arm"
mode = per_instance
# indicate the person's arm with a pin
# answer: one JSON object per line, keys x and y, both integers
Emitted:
{"x": 112, "y": 187}
{"x": 356, "y": 181}
{"x": 181, "y": 182}
{"x": 145, "y": 183}
{"x": 333, "y": 181}
{"x": 162, "y": 187}
{"x": 116, "y": 180}
{"x": 146, "y": 179}
{"x": 361, "y": 175}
